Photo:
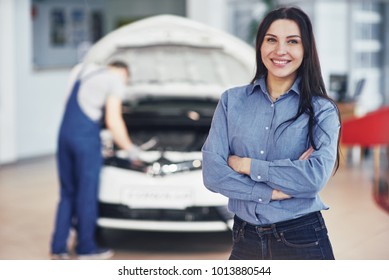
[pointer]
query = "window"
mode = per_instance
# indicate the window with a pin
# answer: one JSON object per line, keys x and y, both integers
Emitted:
{"x": 368, "y": 34}
{"x": 63, "y": 30}
{"x": 367, "y": 60}
{"x": 367, "y": 31}
{"x": 57, "y": 27}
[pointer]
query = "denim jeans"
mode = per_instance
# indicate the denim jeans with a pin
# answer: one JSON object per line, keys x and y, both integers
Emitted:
{"x": 304, "y": 238}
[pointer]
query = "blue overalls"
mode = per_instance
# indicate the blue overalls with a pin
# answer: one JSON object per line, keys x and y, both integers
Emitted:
{"x": 79, "y": 162}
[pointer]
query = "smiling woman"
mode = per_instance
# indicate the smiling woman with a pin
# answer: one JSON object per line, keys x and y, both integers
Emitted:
{"x": 273, "y": 145}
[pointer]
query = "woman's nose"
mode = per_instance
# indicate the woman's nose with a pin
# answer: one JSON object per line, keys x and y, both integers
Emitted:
{"x": 281, "y": 49}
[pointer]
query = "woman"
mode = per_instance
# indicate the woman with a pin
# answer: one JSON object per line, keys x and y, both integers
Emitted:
{"x": 273, "y": 145}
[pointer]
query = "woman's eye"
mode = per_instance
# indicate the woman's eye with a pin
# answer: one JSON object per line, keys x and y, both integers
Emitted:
{"x": 270, "y": 40}
{"x": 293, "y": 42}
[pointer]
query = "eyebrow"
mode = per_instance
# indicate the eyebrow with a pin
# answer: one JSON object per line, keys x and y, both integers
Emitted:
{"x": 290, "y": 36}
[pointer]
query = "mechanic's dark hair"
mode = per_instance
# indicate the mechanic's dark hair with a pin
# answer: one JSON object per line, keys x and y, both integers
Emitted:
{"x": 312, "y": 83}
{"x": 120, "y": 64}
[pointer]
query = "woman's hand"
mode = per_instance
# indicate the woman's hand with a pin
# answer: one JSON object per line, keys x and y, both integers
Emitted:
{"x": 306, "y": 154}
{"x": 239, "y": 164}
{"x": 279, "y": 195}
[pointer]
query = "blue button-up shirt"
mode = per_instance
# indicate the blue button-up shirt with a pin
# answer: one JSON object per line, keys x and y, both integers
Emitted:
{"x": 245, "y": 124}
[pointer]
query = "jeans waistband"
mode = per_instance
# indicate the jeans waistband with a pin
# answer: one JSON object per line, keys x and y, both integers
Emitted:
{"x": 311, "y": 217}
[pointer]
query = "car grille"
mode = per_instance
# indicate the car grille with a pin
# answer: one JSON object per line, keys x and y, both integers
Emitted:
{"x": 160, "y": 167}
{"x": 189, "y": 214}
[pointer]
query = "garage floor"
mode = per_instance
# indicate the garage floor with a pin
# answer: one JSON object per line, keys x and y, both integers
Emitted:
{"x": 358, "y": 227}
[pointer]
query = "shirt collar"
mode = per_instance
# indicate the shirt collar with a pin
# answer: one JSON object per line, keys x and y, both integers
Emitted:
{"x": 261, "y": 82}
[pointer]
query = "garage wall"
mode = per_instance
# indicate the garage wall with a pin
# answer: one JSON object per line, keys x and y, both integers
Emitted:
{"x": 39, "y": 94}
{"x": 333, "y": 47}
{"x": 32, "y": 100}
{"x": 7, "y": 82}
{"x": 128, "y": 10}
{"x": 196, "y": 11}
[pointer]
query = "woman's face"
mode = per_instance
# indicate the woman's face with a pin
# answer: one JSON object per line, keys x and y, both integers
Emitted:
{"x": 282, "y": 51}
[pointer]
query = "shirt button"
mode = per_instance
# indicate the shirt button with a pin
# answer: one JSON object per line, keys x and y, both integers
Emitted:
{"x": 272, "y": 105}
{"x": 260, "y": 200}
{"x": 259, "y": 177}
{"x": 267, "y": 128}
{"x": 262, "y": 152}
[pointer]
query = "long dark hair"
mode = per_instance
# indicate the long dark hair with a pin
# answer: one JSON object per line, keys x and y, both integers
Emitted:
{"x": 312, "y": 83}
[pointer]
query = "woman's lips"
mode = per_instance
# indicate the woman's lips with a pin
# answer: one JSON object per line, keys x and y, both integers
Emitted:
{"x": 280, "y": 62}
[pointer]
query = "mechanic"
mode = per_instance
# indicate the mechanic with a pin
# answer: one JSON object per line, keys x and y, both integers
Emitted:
{"x": 79, "y": 156}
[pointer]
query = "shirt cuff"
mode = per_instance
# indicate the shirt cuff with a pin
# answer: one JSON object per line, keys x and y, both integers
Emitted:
{"x": 261, "y": 193}
{"x": 259, "y": 170}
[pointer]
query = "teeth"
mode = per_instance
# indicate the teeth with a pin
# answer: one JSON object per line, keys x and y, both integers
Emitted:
{"x": 283, "y": 62}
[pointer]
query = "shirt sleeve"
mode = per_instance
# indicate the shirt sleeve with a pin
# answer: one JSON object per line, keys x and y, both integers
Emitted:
{"x": 304, "y": 178}
{"x": 117, "y": 87}
{"x": 217, "y": 175}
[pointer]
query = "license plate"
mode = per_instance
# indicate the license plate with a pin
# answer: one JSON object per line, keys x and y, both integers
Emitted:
{"x": 157, "y": 198}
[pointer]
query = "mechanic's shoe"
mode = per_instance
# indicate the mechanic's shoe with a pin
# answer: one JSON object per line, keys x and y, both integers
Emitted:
{"x": 98, "y": 254}
{"x": 61, "y": 256}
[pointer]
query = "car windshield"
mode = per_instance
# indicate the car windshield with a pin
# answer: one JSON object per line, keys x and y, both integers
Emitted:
{"x": 178, "y": 124}
{"x": 183, "y": 64}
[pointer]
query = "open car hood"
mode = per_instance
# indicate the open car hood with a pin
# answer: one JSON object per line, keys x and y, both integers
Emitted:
{"x": 169, "y": 30}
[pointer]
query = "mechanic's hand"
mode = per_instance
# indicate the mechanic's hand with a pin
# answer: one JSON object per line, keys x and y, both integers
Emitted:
{"x": 134, "y": 152}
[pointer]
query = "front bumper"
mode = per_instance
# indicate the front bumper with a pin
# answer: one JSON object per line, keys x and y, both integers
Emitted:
{"x": 204, "y": 219}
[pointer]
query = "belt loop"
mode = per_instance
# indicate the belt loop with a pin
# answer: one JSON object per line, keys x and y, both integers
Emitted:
{"x": 321, "y": 219}
{"x": 242, "y": 223}
{"x": 275, "y": 233}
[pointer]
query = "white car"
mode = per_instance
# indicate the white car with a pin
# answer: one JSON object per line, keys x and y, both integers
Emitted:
{"x": 179, "y": 68}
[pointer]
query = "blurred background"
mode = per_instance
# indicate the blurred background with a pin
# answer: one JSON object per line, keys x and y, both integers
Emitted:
{"x": 41, "y": 40}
